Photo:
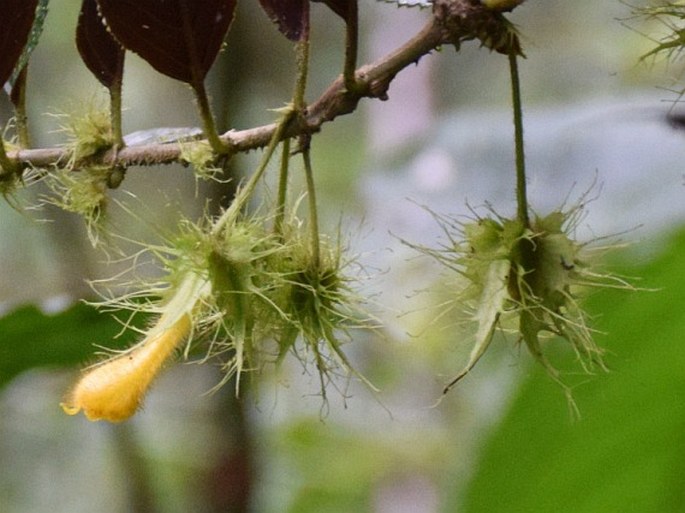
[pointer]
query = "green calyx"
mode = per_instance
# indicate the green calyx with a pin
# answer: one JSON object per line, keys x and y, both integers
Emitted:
{"x": 542, "y": 258}
{"x": 526, "y": 280}
{"x": 320, "y": 306}
{"x": 238, "y": 312}
{"x": 266, "y": 296}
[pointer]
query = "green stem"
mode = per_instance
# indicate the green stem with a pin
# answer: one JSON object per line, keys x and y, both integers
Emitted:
{"x": 244, "y": 194}
{"x": 208, "y": 119}
{"x": 313, "y": 215}
{"x": 115, "y": 114}
{"x": 521, "y": 194}
{"x": 299, "y": 105}
{"x": 282, "y": 188}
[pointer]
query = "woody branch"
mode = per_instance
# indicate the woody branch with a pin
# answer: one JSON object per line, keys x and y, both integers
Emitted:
{"x": 451, "y": 22}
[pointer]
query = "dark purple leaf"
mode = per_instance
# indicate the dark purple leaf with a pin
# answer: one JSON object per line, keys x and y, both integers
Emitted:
{"x": 102, "y": 54}
{"x": 16, "y": 20}
{"x": 179, "y": 38}
{"x": 291, "y": 16}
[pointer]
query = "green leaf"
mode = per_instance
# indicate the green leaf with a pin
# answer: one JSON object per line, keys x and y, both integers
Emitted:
{"x": 627, "y": 452}
{"x": 32, "y": 339}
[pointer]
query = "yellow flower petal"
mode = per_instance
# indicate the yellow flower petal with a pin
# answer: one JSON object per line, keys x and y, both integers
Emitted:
{"x": 114, "y": 390}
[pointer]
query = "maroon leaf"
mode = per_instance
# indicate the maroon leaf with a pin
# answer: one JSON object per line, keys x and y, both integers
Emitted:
{"x": 179, "y": 38}
{"x": 291, "y": 16}
{"x": 16, "y": 20}
{"x": 102, "y": 54}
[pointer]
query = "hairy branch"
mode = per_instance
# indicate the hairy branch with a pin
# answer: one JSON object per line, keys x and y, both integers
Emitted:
{"x": 452, "y": 22}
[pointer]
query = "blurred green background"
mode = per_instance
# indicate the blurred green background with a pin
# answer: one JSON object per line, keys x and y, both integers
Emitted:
{"x": 503, "y": 439}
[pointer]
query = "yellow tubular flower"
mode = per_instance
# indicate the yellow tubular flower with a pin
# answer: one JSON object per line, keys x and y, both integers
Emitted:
{"x": 114, "y": 390}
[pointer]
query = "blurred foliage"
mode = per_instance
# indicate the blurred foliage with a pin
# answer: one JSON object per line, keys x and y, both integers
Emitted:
{"x": 31, "y": 338}
{"x": 344, "y": 467}
{"x": 627, "y": 452}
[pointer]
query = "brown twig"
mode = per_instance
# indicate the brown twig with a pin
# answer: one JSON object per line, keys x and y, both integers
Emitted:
{"x": 452, "y": 22}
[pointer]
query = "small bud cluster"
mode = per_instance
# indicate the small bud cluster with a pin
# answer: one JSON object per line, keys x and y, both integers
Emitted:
{"x": 81, "y": 188}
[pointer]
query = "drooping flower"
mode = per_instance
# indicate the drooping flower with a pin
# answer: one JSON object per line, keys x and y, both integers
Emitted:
{"x": 114, "y": 389}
